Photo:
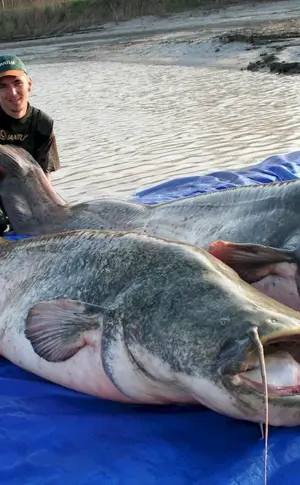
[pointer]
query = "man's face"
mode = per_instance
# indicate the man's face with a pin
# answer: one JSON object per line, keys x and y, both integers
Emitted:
{"x": 14, "y": 94}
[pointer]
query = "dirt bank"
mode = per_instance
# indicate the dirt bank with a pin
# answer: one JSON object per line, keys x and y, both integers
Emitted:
{"x": 277, "y": 46}
{"x": 249, "y": 36}
{"x": 36, "y": 19}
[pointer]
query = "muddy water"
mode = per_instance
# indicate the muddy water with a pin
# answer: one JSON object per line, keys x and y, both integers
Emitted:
{"x": 122, "y": 126}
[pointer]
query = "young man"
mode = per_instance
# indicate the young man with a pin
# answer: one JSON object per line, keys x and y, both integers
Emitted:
{"x": 20, "y": 123}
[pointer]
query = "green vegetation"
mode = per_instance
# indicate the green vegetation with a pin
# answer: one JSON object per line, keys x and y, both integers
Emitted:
{"x": 32, "y": 19}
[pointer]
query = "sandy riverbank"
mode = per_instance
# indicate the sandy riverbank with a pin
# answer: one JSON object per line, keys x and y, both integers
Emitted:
{"x": 253, "y": 36}
{"x": 35, "y": 19}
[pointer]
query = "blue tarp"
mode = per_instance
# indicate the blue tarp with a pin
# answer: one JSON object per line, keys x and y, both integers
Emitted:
{"x": 54, "y": 436}
{"x": 272, "y": 169}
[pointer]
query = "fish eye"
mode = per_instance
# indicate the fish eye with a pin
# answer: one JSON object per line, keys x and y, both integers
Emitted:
{"x": 224, "y": 321}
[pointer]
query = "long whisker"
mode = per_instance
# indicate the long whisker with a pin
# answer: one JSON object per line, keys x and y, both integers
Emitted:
{"x": 260, "y": 351}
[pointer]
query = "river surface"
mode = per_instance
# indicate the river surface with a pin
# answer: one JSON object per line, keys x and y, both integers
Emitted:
{"x": 122, "y": 125}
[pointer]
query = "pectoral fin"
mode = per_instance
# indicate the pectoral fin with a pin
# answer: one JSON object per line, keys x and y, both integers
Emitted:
{"x": 57, "y": 329}
{"x": 251, "y": 261}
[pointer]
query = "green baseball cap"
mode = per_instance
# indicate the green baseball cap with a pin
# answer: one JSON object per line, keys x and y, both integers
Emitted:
{"x": 11, "y": 65}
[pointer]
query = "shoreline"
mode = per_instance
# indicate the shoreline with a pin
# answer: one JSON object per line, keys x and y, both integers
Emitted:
{"x": 248, "y": 13}
{"x": 110, "y": 21}
{"x": 252, "y": 36}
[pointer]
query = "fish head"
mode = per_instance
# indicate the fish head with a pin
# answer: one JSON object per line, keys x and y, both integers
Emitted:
{"x": 241, "y": 370}
{"x": 17, "y": 171}
{"x": 15, "y": 162}
{"x": 220, "y": 364}
{"x": 27, "y": 196}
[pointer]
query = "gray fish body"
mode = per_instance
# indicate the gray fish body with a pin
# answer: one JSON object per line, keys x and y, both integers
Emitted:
{"x": 261, "y": 215}
{"x": 134, "y": 318}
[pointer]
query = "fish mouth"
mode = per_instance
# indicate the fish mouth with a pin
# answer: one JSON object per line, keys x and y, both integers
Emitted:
{"x": 282, "y": 361}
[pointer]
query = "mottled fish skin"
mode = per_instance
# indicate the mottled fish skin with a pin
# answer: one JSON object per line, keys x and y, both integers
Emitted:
{"x": 134, "y": 318}
{"x": 266, "y": 215}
